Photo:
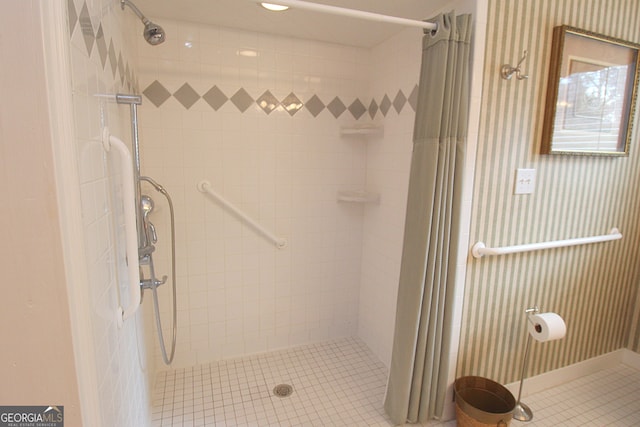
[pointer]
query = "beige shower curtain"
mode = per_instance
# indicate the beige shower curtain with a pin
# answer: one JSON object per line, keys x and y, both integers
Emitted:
{"x": 420, "y": 358}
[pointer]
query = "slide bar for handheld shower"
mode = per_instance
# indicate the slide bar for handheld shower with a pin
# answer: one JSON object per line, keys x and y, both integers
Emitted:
{"x": 125, "y": 98}
{"x": 205, "y": 187}
{"x": 353, "y": 13}
{"x": 133, "y": 101}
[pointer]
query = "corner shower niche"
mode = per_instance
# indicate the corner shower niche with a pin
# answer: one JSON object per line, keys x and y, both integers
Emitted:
{"x": 363, "y": 132}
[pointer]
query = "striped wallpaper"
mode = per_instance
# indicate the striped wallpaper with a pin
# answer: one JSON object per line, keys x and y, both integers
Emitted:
{"x": 592, "y": 287}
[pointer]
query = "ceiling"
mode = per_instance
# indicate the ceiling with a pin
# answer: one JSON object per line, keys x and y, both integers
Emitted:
{"x": 248, "y": 15}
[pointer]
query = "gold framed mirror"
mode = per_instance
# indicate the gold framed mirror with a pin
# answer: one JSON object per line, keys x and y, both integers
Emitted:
{"x": 591, "y": 94}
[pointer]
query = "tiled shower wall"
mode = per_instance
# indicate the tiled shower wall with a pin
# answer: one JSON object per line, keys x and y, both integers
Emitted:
{"x": 388, "y": 158}
{"x": 258, "y": 116}
{"x": 101, "y": 64}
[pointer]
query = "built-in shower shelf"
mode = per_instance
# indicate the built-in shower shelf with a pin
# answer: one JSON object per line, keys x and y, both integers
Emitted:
{"x": 358, "y": 196}
{"x": 366, "y": 129}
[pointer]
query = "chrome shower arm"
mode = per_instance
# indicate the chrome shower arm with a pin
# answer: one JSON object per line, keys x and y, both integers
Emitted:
{"x": 153, "y": 33}
{"x": 135, "y": 10}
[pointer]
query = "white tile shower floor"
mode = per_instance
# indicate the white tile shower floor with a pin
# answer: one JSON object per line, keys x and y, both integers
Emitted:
{"x": 341, "y": 383}
{"x": 337, "y": 383}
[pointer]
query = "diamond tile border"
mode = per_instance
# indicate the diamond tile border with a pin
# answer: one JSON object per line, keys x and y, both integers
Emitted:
{"x": 81, "y": 21}
{"x": 267, "y": 102}
{"x": 214, "y": 97}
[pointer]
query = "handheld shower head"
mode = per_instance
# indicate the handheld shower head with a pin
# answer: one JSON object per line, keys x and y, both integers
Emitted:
{"x": 147, "y": 205}
{"x": 153, "y": 33}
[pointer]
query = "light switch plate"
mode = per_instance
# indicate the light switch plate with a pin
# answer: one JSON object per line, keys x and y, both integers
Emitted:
{"x": 525, "y": 181}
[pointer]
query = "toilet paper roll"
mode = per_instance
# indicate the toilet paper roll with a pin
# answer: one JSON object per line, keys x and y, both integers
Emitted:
{"x": 546, "y": 326}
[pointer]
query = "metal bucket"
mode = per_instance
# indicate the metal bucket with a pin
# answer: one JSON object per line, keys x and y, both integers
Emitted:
{"x": 481, "y": 402}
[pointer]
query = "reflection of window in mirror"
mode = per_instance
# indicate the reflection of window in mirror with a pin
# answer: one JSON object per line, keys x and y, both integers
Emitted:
{"x": 592, "y": 86}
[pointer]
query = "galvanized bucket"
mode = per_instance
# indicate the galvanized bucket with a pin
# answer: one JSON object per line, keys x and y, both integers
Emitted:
{"x": 481, "y": 402}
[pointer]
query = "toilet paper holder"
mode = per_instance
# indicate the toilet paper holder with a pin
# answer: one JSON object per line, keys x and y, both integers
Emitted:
{"x": 522, "y": 412}
{"x": 530, "y": 312}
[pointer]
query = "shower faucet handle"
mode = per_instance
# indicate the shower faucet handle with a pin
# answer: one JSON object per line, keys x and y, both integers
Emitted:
{"x": 152, "y": 230}
{"x": 153, "y": 283}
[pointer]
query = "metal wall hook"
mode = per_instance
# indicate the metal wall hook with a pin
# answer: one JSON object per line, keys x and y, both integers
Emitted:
{"x": 507, "y": 71}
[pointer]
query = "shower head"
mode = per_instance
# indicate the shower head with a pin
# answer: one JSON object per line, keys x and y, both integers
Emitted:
{"x": 153, "y": 33}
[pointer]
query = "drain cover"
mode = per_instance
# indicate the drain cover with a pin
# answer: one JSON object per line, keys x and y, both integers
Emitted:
{"x": 283, "y": 390}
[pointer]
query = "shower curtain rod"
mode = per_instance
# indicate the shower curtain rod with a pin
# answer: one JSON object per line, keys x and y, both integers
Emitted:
{"x": 335, "y": 10}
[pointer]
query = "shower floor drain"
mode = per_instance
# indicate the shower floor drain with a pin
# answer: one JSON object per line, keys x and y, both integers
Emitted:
{"x": 283, "y": 390}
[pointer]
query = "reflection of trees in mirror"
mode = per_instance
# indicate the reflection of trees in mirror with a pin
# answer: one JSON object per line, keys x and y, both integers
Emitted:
{"x": 590, "y": 106}
{"x": 591, "y": 93}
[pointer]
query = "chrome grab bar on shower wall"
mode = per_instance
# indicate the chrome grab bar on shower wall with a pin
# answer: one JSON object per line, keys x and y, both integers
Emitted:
{"x": 131, "y": 233}
{"x": 479, "y": 249}
{"x": 205, "y": 187}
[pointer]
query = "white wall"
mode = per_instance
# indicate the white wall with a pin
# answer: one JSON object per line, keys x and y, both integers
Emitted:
{"x": 37, "y": 362}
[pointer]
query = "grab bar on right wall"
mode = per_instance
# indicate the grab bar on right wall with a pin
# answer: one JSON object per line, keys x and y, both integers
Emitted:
{"x": 205, "y": 187}
{"x": 479, "y": 249}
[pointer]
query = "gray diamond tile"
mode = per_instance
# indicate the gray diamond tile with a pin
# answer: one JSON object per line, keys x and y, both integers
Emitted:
{"x": 315, "y": 106}
{"x": 357, "y": 108}
{"x": 373, "y": 108}
{"x": 215, "y": 98}
{"x": 385, "y": 104}
{"x": 102, "y": 46}
{"x": 242, "y": 100}
{"x": 291, "y": 104}
{"x": 156, "y": 93}
{"x": 87, "y": 28}
{"x": 112, "y": 58}
{"x": 127, "y": 75}
{"x": 121, "y": 68}
{"x": 399, "y": 101}
{"x": 413, "y": 98}
{"x": 73, "y": 16}
{"x": 336, "y": 107}
{"x": 186, "y": 95}
{"x": 267, "y": 102}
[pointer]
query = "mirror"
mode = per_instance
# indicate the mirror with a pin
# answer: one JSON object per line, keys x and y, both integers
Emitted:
{"x": 591, "y": 96}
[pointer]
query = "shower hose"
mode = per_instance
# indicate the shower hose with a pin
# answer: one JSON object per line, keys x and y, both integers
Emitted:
{"x": 166, "y": 358}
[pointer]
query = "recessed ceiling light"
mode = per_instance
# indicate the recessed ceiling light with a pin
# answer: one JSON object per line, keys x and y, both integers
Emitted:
{"x": 249, "y": 53}
{"x": 274, "y": 7}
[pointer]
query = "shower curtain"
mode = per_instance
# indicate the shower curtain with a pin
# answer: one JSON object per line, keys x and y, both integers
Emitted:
{"x": 420, "y": 358}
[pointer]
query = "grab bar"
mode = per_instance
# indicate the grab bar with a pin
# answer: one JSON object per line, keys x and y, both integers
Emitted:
{"x": 131, "y": 232}
{"x": 479, "y": 249}
{"x": 204, "y": 186}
